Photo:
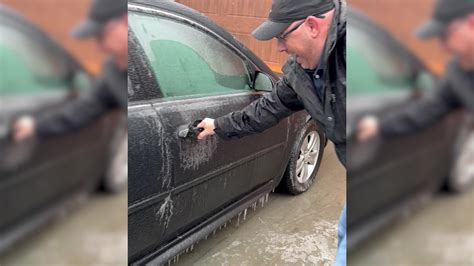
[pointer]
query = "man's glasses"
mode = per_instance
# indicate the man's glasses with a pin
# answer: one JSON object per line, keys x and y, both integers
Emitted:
{"x": 282, "y": 36}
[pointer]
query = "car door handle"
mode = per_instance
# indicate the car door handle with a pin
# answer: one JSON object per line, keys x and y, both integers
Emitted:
{"x": 190, "y": 131}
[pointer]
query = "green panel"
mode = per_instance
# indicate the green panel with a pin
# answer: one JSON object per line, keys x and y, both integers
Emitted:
{"x": 27, "y": 66}
{"x": 16, "y": 76}
{"x": 362, "y": 77}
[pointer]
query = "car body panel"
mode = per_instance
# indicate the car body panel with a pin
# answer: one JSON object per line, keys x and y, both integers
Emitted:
{"x": 179, "y": 187}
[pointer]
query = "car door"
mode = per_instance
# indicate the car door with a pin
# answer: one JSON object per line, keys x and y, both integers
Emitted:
{"x": 37, "y": 76}
{"x": 383, "y": 78}
{"x": 175, "y": 183}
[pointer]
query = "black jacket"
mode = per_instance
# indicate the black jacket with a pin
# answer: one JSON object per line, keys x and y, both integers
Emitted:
{"x": 456, "y": 90}
{"x": 109, "y": 92}
{"x": 295, "y": 91}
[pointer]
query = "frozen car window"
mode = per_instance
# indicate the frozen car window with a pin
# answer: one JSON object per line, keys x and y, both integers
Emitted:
{"x": 376, "y": 68}
{"x": 185, "y": 60}
{"x": 28, "y": 67}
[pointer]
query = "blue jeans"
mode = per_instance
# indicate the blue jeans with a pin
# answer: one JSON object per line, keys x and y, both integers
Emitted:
{"x": 341, "y": 237}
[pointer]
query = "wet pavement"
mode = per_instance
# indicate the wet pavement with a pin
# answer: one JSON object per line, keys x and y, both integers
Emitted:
{"x": 94, "y": 233}
{"x": 288, "y": 230}
{"x": 439, "y": 233}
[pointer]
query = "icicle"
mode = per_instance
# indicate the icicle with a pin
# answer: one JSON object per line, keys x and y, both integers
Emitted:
{"x": 192, "y": 247}
{"x": 245, "y": 214}
{"x": 266, "y": 197}
{"x": 273, "y": 191}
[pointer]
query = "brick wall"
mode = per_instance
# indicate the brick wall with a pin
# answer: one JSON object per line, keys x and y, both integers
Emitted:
{"x": 401, "y": 18}
{"x": 57, "y": 18}
{"x": 241, "y": 17}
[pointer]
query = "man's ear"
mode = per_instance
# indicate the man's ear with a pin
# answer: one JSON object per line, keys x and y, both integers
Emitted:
{"x": 314, "y": 25}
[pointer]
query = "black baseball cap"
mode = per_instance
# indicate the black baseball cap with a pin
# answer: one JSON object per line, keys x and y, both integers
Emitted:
{"x": 445, "y": 12}
{"x": 285, "y": 12}
{"x": 100, "y": 12}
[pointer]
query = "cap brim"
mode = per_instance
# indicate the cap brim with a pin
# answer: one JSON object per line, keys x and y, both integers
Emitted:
{"x": 430, "y": 29}
{"x": 269, "y": 30}
{"x": 87, "y": 29}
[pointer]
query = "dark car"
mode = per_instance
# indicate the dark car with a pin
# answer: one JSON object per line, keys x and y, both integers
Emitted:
{"x": 388, "y": 177}
{"x": 183, "y": 67}
{"x": 38, "y": 177}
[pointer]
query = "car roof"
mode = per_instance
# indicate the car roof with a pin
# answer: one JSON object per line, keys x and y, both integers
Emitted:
{"x": 201, "y": 19}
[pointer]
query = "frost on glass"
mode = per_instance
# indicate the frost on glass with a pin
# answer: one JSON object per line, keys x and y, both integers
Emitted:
{"x": 187, "y": 61}
{"x": 27, "y": 67}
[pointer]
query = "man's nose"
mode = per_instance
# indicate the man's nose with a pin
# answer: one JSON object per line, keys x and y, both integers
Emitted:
{"x": 281, "y": 46}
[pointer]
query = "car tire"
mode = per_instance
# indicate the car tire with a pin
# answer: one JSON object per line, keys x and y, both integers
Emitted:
{"x": 462, "y": 172}
{"x": 305, "y": 159}
{"x": 116, "y": 174}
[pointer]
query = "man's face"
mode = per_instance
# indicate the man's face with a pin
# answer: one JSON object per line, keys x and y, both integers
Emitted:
{"x": 292, "y": 43}
{"x": 305, "y": 39}
{"x": 458, "y": 40}
{"x": 114, "y": 38}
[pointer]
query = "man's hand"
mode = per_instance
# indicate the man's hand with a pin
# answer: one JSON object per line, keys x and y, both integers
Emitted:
{"x": 367, "y": 128}
{"x": 23, "y": 128}
{"x": 208, "y": 125}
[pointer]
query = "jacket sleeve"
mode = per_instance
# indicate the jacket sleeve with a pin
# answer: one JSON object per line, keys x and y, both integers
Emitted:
{"x": 79, "y": 113}
{"x": 260, "y": 115}
{"x": 421, "y": 113}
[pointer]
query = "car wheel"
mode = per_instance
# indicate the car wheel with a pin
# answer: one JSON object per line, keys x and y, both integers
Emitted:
{"x": 116, "y": 175}
{"x": 462, "y": 174}
{"x": 305, "y": 159}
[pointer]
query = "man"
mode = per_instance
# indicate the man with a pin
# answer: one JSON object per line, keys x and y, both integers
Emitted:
{"x": 453, "y": 24}
{"x": 313, "y": 32}
{"x": 107, "y": 23}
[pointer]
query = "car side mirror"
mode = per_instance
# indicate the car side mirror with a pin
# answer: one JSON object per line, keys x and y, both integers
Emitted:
{"x": 262, "y": 82}
{"x": 425, "y": 81}
{"x": 81, "y": 81}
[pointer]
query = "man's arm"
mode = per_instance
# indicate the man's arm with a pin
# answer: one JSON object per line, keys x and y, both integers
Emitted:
{"x": 78, "y": 113}
{"x": 421, "y": 113}
{"x": 417, "y": 116}
{"x": 258, "y": 116}
{"x": 75, "y": 115}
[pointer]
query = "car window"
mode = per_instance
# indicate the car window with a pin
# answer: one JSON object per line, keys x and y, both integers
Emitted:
{"x": 185, "y": 60}
{"x": 28, "y": 67}
{"x": 375, "y": 67}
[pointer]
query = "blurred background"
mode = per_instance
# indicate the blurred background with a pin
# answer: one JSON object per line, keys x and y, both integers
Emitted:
{"x": 403, "y": 208}
{"x": 401, "y": 18}
{"x": 57, "y": 206}
{"x": 57, "y": 18}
